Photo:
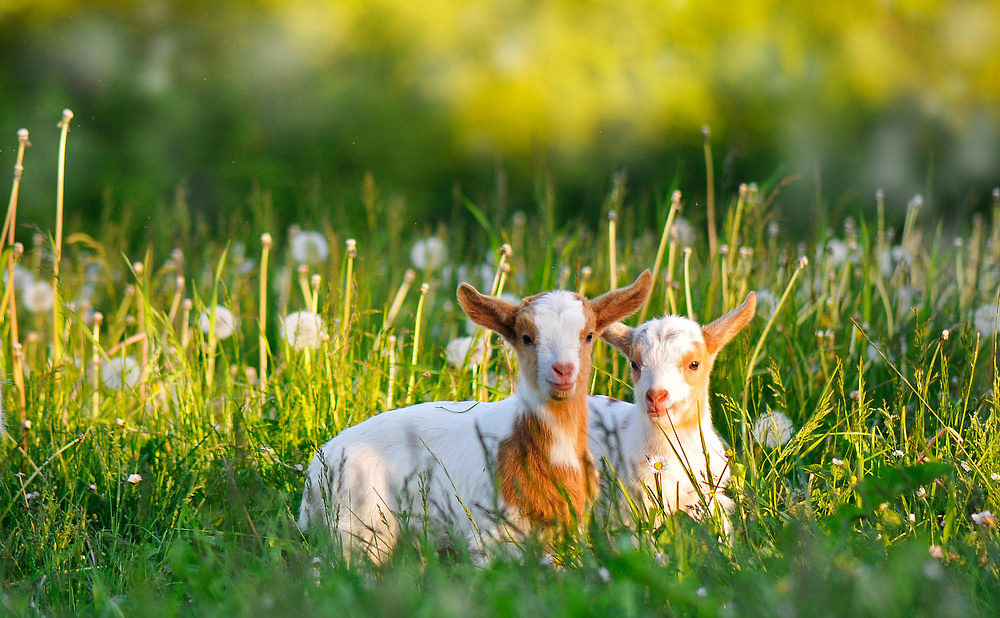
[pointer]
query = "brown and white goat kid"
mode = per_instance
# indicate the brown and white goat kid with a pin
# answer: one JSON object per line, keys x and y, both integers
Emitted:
{"x": 664, "y": 442}
{"x": 474, "y": 470}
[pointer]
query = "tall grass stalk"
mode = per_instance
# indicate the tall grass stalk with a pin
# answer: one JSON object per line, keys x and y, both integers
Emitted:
{"x": 391, "y": 385}
{"x": 265, "y": 252}
{"x": 687, "y": 283}
{"x": 9, "y": 297}
{"x": 95, "y": 366}
{"x": 424, "y": 288}
{"x": 57, "y": 326}
{"x": 612, "y": 250}
{"x": 675, "y": 206}
{"x": 351, "y": 253}
{"x": 713, "y": 241}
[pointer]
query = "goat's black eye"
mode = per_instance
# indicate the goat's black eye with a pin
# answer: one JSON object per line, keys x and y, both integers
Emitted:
{"x": 590, "y": 337}
{"x": 694, "y": 365}
{"x": 526, "y": 340}
{"x": 635, "y": 366}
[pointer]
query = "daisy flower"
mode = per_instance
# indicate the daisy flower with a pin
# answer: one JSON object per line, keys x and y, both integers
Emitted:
{"x": 134, "y": 478}
{"x": 984, "y": 518}
{"x": 658, "y": 464}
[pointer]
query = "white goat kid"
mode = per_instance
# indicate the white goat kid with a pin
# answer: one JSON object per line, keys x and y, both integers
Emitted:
{"x": 472, "y": 470}
{"x": 663, "y": 448}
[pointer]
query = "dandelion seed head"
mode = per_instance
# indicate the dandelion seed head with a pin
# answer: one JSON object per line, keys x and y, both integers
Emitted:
{"x": 428, "y": 253}
{"x": 120, "y": 371}
{"x": 457, "y": 350}
{"x": 985, "y": 319}
{"x": 303, "y": 330}
{"x": 309, "y": 247}
{"x": 225, "y": 322}
{"x": 39, "y": 297}
{"x": 773, "y": 429}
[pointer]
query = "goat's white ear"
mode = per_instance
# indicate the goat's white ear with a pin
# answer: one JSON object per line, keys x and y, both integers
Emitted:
{"x": 487, "y": 311}
{"x": 721, "y": 331}
{"x": 619, "y": 336}
{"x": 620, "y": 303}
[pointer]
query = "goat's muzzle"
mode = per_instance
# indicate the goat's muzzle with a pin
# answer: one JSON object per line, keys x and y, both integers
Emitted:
{"x": 656, "y": 402}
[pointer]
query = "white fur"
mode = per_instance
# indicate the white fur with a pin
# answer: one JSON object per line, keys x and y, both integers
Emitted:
{"x": 433, "y": 463}
{"x": 625, "y": 439}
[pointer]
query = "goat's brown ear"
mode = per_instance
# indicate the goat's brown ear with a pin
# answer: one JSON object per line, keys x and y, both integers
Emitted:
{"x": 721, "y": 331}
{"x": 623, "y": 302}
{"x": 619, "y": 336}
{"x": 487, "y": 311}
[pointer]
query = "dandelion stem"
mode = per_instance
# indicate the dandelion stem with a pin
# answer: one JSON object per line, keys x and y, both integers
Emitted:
{"x": 265, "y": 241}
{"x": 95, "y": 399}
{"x": 424, "y": 288}
{"x": 408, "y": 277}
{"x": 713, "y": 241}
{"x": 391, "y": 342}
{"x": 352, "y": 252}
{"x": 505, "y": 252}
{"x": 612, "y": 257}
{"x": 10, "y": 223}
{"x": 57, "y": 258}
{"x": 687, "y": 282}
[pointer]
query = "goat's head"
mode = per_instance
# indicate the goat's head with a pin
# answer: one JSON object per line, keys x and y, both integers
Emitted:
{"x": 553, "y": 333}
{"x": 672, "y": 357}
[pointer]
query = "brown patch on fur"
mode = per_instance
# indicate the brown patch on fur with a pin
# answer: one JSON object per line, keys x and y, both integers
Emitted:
{"x": 698, "y": 380}
{"x": 623, "y": 302}
{"x": 543, "y": 493}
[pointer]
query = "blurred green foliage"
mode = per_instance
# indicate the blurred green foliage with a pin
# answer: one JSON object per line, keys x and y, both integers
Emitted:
{"x": 302, "y": 98}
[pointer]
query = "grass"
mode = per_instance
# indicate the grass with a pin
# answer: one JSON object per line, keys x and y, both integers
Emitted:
{"x": 173, "y": 490}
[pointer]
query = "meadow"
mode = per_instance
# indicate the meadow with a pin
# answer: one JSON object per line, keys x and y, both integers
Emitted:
{"x": 162, "y": 404}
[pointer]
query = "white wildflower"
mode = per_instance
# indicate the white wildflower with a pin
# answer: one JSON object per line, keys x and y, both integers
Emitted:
{"x": 921, "y": 492}
{"x": 604, "y": 574}
{"x": 658, "y": 464}
{"x": 39, "y": 297}
{"x": 766, "y": 303}
{"x": 702, "y": 592}
{"x": 984, "y": 518}
{"x": 22, "y": 277}
{"x": 912, "y": 517}
{"x": 837, "y": 462}
{"x": 309, "y": 248}
{"x": 936, "y": 551}
{"x": 985, "y": 320}
{"x": 683, "y": 232}
{"x": 898, "y": 453}
{"x": 773, "y": 428}
{"x": 225, "y": 322}
{"x": 458, "y": 349}
{"x": 134, "y": 478}
{"x": 428, "y": 253}
{"x": 303, "y": 330}
{"x": 119, "y": 371}
{"x": 995, "y": 476}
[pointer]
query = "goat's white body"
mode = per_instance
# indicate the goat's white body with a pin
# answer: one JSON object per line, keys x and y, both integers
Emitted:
{"x": 625, "y": 441}
{"x": 432, "y": 462}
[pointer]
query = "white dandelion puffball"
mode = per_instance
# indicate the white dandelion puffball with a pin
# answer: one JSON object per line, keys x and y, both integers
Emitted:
{"x": 985, "y": 320}
{"x": 304, "y": 330}
{"x": 120, "y": 371}
{"x": 683, "y": 232}
{"x": 22, "y": 277}
{"x": 773, "y": 429}
{"x": 458, "y": 349}
{"x": 429, "y": 253}
{"x": 766, "y": 303}
{"x": 225, "y": 322}
{"x": 310, "y": 248}
{"x": 39, "y": 297}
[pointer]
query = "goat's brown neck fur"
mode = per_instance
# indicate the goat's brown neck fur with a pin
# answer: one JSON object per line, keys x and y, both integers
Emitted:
{"x": 541, "y": 491}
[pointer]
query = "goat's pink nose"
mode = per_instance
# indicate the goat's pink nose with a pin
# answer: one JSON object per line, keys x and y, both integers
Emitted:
{"x": 563, "y": 370}
{"x": 656, "y": 401}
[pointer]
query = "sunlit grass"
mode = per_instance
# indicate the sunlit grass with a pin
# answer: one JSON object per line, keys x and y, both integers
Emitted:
{"x": 160, "y": 464}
